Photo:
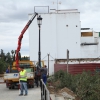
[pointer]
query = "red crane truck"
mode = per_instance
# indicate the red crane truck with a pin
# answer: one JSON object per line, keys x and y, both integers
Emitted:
{"x": 12, "y": 79}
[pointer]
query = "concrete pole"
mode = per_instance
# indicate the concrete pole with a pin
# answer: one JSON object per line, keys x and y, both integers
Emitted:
{"x": 48, "y": 64}
{"x": 67, "y": 59}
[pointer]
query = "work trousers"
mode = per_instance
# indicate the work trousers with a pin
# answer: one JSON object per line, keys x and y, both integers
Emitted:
{"x": 44, "y": 77}
{"x": 23, "y": 86}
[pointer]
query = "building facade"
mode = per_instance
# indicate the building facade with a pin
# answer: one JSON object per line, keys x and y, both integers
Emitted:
{"x": 60, "y": 31}
{"x": 90, "y": 40}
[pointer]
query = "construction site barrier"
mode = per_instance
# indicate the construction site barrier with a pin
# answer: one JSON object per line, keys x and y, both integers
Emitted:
{"x": 45, "y": 95}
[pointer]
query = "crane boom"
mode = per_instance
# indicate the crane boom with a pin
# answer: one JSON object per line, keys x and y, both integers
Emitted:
{"x": 20, "y": 39}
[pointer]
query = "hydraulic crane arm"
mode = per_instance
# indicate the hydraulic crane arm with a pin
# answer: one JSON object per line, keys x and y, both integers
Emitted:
{"x": 20, "y": 39}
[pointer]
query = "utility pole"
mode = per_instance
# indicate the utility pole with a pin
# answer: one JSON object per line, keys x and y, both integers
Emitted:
{"x": 67, "y": 59}
{"x": 48, "y": 64}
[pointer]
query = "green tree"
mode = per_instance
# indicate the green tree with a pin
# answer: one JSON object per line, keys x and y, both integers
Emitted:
{"x": 8, "y": 58}
{"x": 13, "y": 55}
{"x": 2, "y": 55}
{"x": 3, "y": 65}
{"x": 19, "y": 55}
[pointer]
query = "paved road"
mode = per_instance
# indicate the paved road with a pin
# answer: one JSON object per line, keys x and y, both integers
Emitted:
{"x": 6, "y": 94}
{"x": 1, "y": 79}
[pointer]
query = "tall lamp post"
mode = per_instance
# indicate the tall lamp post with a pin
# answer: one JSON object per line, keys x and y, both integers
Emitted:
{"x": 39, "y": 21}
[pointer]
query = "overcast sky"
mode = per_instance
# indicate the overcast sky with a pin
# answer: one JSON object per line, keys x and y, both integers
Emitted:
{"x": 14, "y": 16}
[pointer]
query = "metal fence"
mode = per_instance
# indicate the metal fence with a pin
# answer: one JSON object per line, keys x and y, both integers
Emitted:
{"x": 44, "y": 91}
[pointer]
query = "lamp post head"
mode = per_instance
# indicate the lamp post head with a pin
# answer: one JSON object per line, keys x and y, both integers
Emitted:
{"x": 39, "y": 20}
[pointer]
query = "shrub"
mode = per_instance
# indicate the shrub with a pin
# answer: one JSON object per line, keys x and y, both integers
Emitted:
{"x": 85, "y": 85}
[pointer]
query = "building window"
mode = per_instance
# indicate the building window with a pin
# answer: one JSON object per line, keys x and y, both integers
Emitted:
{"x": 66, "y": 25}
{"x": 86, "y": 34}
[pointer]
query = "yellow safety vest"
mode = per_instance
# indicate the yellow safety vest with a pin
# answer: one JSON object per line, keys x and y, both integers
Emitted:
{"x": 22, "y": 73}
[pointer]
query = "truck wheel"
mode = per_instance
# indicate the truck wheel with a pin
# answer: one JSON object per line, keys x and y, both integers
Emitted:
{"x": 13, "y": 87}
{"x": 32, "y": 86}
{"x": 9, "y": 87}
{"x": 28, "y": 85}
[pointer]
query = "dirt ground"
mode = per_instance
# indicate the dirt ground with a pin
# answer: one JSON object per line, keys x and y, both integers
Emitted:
{"x": 59, "y": 92}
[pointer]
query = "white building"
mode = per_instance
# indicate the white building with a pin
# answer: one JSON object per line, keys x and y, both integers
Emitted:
{"x": 61, "y": 31}
{"x": 90, "y": 40}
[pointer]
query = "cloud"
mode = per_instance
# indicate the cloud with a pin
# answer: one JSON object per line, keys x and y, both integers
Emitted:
{"x": 14, "y": 16}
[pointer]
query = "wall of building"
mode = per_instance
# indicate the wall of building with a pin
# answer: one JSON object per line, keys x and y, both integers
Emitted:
{"x": 91, "y": 50}
{"x": 68, "y": 35}
{"x": 48, "y": 37}
{"x": 77, "y": 68}
{"x": 59, "y": 32}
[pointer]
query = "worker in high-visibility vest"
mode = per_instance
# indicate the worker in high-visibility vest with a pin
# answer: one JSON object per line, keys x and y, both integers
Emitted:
{"x": 23, "y": 81}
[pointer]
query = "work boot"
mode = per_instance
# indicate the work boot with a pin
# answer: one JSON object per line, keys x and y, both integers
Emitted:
{"x": 20, "y": 94}
{"x": 25, "y": 94}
